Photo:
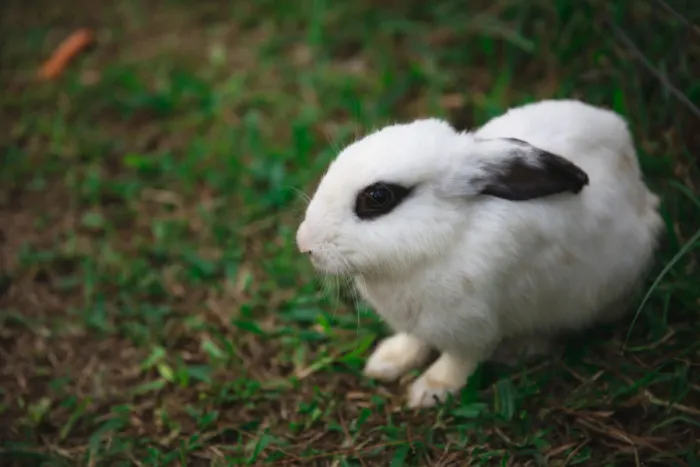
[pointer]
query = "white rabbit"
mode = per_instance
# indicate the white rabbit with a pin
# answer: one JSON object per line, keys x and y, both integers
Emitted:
{"x": 535, "y": 224}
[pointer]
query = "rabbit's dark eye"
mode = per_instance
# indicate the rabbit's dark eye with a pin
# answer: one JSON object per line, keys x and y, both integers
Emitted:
{"x": 379, "y": 199}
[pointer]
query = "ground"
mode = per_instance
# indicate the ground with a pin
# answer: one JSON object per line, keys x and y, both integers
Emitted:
{"x": 154, "y": 310}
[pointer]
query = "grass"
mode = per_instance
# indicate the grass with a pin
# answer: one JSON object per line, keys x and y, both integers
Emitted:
{"x": 154, "y": 311}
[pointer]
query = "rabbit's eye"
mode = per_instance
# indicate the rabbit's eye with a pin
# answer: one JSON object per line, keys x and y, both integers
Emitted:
{"x": 379, "y": 199}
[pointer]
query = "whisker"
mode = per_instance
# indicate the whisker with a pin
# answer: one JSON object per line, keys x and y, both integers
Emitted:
{"x": 360, "y": 278}
{"x": 299, "y": 192}
{"x": 333, "y": 144}
{"x": 329, "y": 285}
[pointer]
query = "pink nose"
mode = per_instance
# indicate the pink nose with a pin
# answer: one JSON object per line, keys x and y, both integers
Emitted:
{"x": 303, "y": 240}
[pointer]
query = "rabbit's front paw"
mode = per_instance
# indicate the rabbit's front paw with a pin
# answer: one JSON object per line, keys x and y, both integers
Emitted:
{"x": 445, "y": 377}
{"x": 396, "y": 356}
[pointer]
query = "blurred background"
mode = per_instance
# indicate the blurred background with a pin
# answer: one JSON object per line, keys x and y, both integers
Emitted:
{"x": 153, "y": 308}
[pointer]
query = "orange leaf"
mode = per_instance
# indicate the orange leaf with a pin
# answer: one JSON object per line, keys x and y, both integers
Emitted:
{"x": 65, "y": 52}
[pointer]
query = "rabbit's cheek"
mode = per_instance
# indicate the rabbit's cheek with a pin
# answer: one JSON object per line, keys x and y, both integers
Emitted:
{"x": 328, "y": 260}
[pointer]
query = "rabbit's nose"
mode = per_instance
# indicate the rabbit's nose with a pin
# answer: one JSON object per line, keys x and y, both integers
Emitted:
{"x": 303, "y": 240}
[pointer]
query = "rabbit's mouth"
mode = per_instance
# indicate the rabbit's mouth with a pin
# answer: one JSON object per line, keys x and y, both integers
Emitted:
{"x": 330, "y": 263}
{"x": 325, "y": 256}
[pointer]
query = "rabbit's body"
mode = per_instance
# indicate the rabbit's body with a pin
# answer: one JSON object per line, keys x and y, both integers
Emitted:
{"x": 540, "y": 266}
{"x": 507, "y": 254}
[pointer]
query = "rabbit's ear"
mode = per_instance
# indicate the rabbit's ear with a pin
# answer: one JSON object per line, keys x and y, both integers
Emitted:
{"x": 512, "y": 169}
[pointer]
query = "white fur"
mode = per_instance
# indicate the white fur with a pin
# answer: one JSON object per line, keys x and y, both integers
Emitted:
{"x": 462, "y": 272}
{"x": 395, "y": 356}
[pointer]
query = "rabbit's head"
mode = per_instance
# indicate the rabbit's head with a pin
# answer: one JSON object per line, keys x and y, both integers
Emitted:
{"x": 405, "y": 194}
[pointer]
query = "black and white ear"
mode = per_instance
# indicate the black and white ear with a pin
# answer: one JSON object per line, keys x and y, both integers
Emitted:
{"x": 512, "y": 169}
